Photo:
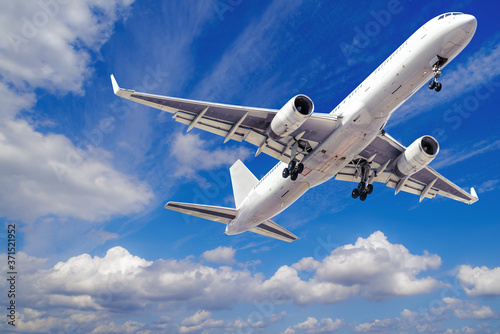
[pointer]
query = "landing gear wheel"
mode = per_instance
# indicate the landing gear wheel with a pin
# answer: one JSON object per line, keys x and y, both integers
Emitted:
{"x": 355, "y": 193}
{"x": 438, "y": 86}
{"x": 300, "y": 168}
{"x": 294, "y": 175}
{"x": 369, "y": 189}
{"x": 291, "y": 165}
{"x": 285, "y": 173}
{"x": 361, "y": 187}
{"x": 363, "y": 196}
{"x": 432, "y": 84}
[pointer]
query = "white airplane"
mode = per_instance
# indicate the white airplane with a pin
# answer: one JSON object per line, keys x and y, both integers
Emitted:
{"x": 349, "y": 143}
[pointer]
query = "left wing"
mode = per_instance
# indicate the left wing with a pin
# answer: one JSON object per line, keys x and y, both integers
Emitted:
{"x": 238, "y": 122}
{"x": 426, "y": 183}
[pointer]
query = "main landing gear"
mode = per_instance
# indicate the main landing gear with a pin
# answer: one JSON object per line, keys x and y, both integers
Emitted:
{"x": 293, "y": 170}
{"x": 436, "y": 69}
{"x": 363, "y": 189}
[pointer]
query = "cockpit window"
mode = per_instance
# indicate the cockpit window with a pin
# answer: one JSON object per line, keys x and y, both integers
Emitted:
{"x": 457, "y": 13}
{"x": 441, "y": 17}
{"x": 447, "y": 14}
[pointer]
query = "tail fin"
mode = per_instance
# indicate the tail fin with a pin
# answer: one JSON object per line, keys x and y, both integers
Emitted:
{"x": 243, "y": 181}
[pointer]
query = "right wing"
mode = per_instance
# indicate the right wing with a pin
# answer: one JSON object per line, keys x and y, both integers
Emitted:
{"x": 426, "y": 183}
{"x": 238, "y": 122}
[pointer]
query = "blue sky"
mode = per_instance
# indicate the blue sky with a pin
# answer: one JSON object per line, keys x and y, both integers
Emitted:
{"x": 85, "y": 175}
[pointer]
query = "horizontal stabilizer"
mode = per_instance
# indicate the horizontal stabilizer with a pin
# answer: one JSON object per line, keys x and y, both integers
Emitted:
{"x": 215, "y": 213}
{"x": 273, "y": 230}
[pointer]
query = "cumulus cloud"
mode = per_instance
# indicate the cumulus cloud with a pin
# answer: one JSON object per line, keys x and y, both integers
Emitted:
{"x": 313, "y": 326}
{"x": 479, "y": 281}
{"x": 379, "y": 268}
{"x": 220, "y": 255}
{"x": 120, "y": 280}
{"x": 48, "y": 45}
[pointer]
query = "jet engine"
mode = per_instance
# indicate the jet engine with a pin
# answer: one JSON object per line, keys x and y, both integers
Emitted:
{"x": 293, "y": 114}
{"x": 416, "y": 156}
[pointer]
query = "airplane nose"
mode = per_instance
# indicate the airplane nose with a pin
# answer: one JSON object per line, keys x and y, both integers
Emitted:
{"x": 469, "y": 23}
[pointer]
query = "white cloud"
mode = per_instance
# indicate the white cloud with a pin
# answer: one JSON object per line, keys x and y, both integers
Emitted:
{"x": 120, "y": 280}
{"x": 479, "y": 281}
{"x": 379, "y": 268}
{"x": 429, "y": 319}
{"x": 46, "y": 174}
{"x": 220, "y": 255}
{"x": 192, "y": 154}
{"x": 313, "y": 326}
{"x": 48, "y": 44}
{"x": 201, "y": 320}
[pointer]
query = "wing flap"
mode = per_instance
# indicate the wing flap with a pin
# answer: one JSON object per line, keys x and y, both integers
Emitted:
{"x": 214, "y": 213}
{"x": 273, "y": 230}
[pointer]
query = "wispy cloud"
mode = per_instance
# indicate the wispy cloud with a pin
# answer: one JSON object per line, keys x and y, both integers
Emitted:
{"x": 449, "y": 157}
{"x": 460, "y": 79}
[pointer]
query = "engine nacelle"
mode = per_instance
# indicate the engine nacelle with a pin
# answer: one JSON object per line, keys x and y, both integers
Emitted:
{"x": 293, "y": 114}
{"x": 416, "y": 156}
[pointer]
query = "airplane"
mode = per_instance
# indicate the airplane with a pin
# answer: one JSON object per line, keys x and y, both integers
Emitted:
{"x": 349, "y": 143}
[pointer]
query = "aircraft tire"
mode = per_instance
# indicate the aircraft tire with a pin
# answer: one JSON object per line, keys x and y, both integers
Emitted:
{"x": 285, "y": 173}
{"x": 300, "y": 168}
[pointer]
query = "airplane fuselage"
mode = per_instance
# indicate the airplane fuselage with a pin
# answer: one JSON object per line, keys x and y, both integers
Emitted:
{"x": 362, "y": 115}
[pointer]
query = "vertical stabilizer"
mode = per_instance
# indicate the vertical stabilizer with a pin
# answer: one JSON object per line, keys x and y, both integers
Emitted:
{"x": 243, "y": 181}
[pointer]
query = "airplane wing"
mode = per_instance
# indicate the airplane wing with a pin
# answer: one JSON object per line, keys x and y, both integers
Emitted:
{"x": 426, "y": 183}
{"x": 238, "y": 122}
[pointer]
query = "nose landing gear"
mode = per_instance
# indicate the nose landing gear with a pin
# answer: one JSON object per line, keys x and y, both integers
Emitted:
{"x": 436, "y": 69}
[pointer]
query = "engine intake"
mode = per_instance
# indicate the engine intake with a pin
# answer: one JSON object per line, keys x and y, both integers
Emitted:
{"x": 293, "y": 114}
{"x": 416, "y": 156}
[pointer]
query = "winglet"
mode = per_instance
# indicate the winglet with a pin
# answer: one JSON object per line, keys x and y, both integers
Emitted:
{"x": 473, "y": 193}
{"x": 116, "y": 88}
{"x": 126, "y": 93}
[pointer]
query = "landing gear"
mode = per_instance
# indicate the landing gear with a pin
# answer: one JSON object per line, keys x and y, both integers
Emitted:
{"x": 293, "y": 170}
{"x": 363, "y": 189}
{"x": 436, "y": 69}
{"x": 434, "y": 84}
